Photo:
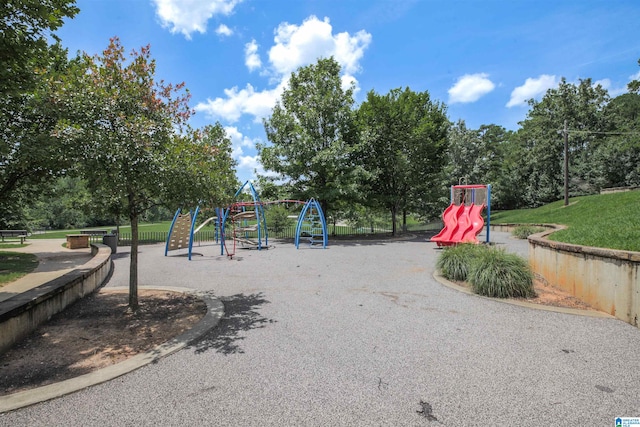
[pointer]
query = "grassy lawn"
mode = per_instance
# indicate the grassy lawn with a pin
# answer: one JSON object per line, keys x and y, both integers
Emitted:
{"x": 15, "y": 265}
{"x": 605, "y": 221}
{"x": 12, "y": 245}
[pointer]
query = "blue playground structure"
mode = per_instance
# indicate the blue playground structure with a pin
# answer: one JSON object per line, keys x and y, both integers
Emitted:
{"x": 182, "y": 230}
{"x": 245, "y": 223}
{"x": 311, "y": 224}
{"x": 242, "y": 219}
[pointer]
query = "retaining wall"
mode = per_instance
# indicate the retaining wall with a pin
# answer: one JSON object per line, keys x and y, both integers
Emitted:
{"x": 23, "y": 313}
{"x": 606, "y": 279}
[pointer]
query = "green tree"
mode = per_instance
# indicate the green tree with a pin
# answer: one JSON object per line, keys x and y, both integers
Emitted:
{"x": 26, "y": 27}
{"x": 64, "y": 206}
{"x": 488, "y": 155}
{"x": 312, "y": 136}
{"x": 634, "y": 85}
{"x": 30, "y": 157}
{"x": 617, "y": 156}
{"x": 404, "y": 140}
{"x": 125, "y": 125}
{"x": 541, "y": 135}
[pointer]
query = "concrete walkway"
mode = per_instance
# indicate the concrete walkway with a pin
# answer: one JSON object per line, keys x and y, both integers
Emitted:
{"x": 359, "y": 334}
{"x": 54, "y": 261}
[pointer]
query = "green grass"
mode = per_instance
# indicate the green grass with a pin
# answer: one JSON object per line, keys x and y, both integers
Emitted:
{"x": 490, "y": 272}
{"x": 498, "y": 274}
{"x": 605, "y": 221}
{"x": 455, "y": 261}
{"x": 524, "y": 231}
{"x": 15, "y": 265}
{"x": 12, "y": 245}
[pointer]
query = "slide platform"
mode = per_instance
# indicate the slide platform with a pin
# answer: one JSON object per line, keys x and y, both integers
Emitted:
{"x": 462, "y": 224}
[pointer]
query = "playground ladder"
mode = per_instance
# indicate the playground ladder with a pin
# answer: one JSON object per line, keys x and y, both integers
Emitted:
{"x": 311, "y": 225}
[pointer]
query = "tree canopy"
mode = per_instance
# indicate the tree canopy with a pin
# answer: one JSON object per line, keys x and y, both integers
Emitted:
{"x": 541, "y": 136}
{"x": 403, "y": 146}
{"x": 131, "y": 139}
{"x": 312, "y": 135}
{"x": 29, "y": 157}
{"x": 26, "y": 26}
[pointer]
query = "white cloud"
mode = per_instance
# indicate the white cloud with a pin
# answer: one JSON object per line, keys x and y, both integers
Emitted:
{"x": 241, "y": 101}
{"x": 470, "y": 88}
{"x": 251, "y": 57}
{"x": 297, "y": 46}
{"x": 223, "y": 30}
{"x": 294, "y": 46}
{"x": 248, "y": 162}
{"x": 248, "y": 165}
{"x": 531, "y": 88}
{"x": 188, "y": 16}
{"x": 238, "y": 139}
{"x": 607, "y": 85}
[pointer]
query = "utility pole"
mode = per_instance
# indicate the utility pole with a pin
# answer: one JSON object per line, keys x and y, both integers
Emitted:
{"x": 566, "y": 164}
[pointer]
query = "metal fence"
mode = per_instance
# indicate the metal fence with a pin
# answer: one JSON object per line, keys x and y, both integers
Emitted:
{"x": 150, "y": 237}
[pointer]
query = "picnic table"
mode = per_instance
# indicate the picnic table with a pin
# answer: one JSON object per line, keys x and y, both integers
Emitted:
{"x": 22, "y": 234}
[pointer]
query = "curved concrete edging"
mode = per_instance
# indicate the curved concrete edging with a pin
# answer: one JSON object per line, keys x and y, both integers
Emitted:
{"x": 606, "y": 279}
{"x": 215, "y": 311}
{"x": 575, "y": 311}
{"x": 22, "y": 313}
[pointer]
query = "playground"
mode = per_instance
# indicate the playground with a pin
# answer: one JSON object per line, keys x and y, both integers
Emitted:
{"x": 359, "y": 334}
{"x": 243, "y": 224}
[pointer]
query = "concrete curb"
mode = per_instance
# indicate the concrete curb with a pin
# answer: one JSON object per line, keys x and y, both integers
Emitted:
{"x": 215, "y": 311}
{"x": 565, "y": 310}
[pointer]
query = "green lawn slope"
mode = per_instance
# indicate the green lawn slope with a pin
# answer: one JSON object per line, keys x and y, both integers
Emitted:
{"x": 605, "y": 221}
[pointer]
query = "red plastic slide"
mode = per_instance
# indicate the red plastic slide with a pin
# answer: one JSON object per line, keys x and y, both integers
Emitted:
{"x": 461, "y": 225}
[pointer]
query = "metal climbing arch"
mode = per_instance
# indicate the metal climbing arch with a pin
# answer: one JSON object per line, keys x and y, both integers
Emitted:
{"x": 311, "y": 224}
{"x": 241, "y": 219}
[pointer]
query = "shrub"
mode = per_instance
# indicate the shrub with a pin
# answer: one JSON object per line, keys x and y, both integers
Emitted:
{"x": 277, "y": 219}
{"x": 454, "y": 261}
{"x": 524, "y": 231}
{"x": 496, "y": 273}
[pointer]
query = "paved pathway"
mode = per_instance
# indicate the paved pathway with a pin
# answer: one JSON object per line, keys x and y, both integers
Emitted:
{"x": 54, "y": 261}
{"x": 360, "y": 334}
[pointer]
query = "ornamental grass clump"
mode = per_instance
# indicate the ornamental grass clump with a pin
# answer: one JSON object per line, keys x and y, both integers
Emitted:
{"x": 524, "y": 231}
{"x": 455, "y": 261}
{"x": 496, "y": 273}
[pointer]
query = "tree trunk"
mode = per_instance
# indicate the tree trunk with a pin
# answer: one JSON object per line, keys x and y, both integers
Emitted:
{"x": 404, "y": 220}
{"x": 394, "y": 212}
{"x": 133, "y": 266}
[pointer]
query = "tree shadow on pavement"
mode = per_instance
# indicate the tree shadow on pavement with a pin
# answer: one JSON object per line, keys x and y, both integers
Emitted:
{"x": 240, "y": 315}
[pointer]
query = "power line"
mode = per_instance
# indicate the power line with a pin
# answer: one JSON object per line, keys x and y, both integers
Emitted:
{"x": 594, "y": 132}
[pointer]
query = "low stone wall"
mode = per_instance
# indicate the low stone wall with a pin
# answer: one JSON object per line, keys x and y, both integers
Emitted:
{"x": 23, "y": 313}
{"x": 606, "y": 279}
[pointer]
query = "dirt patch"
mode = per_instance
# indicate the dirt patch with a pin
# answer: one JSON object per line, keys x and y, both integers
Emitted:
{"x": 550, "y": 296}
{"x": 95, "y": 332}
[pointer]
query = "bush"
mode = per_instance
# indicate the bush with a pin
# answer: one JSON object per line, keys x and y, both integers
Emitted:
{"x": 524, "y": 231}
{"x": 496, "y": 273}
{"x": 455, "y": 261}
{"x": 277, "y": 219}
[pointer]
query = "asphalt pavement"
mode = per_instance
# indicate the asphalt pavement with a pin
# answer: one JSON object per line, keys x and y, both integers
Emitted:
{"x": 359, "y": 334}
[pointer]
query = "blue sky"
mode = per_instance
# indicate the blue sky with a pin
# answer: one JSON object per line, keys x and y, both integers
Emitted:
{"x": 483, "y": 59}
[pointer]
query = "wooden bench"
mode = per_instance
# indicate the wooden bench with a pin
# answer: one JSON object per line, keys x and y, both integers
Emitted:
{"x": 21, "y": 234}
